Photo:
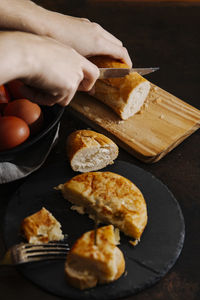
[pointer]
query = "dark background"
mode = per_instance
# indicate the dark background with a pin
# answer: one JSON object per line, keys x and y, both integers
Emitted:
{"x": 156, "y": 34}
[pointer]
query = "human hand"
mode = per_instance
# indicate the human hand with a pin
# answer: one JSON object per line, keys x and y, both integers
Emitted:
{"x": 87, "y": 38}
{"x": 54, "y": 72}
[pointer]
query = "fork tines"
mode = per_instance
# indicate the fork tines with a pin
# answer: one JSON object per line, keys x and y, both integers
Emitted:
{"x": 24, "y": 253}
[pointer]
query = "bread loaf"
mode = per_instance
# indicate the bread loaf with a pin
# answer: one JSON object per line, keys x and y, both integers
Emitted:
{"x": 88, "y": 264}
{"x": 88, "y": 150}
{"x": 125, "y": 95}
{"x": 111, "y": 197}
{"x": 41, "y": 227}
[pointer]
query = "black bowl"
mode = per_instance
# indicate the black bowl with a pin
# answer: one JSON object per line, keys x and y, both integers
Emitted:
{"x": 52, "y": 115}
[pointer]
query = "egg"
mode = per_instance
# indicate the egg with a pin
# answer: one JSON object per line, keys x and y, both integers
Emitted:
{"x": 14, "y": 88}
{"x": 30, "y": 112}
{"x": 13, "y": 132}
{"x": 4, "y": 97}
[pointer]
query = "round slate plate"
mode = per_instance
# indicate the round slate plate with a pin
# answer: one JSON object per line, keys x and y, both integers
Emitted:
{"x": 160, "y": 245}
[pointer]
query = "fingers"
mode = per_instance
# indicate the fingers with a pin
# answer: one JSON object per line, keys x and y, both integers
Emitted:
{"x": 119, "y": 52}
{"x": 115, "y": 51}
{"x": 86, "y": 37}
{"x": 107, "y": 34}
{"x": 38, "y": 96}
{"x": 91, "y": 74}
{"x": 92, "y": 91}
{"x": 55, "y": 75}
{"x": 46, "y": 98}
{"x": 62, "y": 90}
{"x": 123, "y": 54}
{"x": 107, "y": 44}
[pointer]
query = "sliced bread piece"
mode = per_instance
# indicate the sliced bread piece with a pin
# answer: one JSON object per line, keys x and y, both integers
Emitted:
{"x": 88, "y": 150}
{"x": 125, "y": 95}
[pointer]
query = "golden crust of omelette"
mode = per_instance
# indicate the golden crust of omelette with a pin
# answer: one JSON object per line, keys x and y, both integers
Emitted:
{"x": 112, "y": 197}
{"x": 88, "y": 264}
{"x": 41, "y": 227}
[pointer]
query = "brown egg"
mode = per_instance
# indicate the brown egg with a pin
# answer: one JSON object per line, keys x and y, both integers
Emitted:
{"x": 13, "y": 132}
{"x": 4, "y": 97}
{"x": 30, "y": 112}
{"x": 14, "y": 88}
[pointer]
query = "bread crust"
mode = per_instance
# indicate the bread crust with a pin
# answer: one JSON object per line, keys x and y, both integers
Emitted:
{"x": 112, "y": 197}
{"x": 88, "y": 265}
{"x": 118, "y": 93}
{"x": 107, "y": 62}
{"x": 81, "y": 140}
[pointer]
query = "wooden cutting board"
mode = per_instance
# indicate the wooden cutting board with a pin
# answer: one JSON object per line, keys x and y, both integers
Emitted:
{"x": 163, "y": 123}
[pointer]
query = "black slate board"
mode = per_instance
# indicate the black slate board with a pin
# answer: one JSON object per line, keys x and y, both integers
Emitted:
{"x": 160, "y": 245}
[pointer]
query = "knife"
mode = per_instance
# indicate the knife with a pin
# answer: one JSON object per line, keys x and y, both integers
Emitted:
{"x": 121, "y": 72}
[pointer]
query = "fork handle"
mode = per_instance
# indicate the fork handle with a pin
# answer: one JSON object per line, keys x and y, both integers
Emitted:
{"x": 7, "y": 259}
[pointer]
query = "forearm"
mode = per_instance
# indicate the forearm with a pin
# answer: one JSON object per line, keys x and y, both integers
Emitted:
{"x": 54, "y": 71}
{"x": 23, "y": 15}
{"x": 14, "y": 58}
{"x": 87, "y": 38}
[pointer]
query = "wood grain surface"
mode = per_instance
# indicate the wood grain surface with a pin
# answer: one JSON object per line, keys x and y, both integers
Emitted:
{"x": 163, "y": 122}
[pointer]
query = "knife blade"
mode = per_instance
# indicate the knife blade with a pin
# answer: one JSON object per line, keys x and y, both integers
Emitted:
{"x": 121, "y": 72}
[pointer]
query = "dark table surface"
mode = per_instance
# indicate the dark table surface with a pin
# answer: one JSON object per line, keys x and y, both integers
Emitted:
{"x": 156, "y": 34}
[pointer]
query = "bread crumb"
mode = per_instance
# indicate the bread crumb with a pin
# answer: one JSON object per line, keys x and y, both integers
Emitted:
{"x": 146, "y": 105}
{"x": 161, "y": 117}
{"x": 150, "y": 96}
{"x": 140, "y": 112}
{"x": 158, "y": 100}
{"x": 92, "y": 217}
{"x": 98, "y": 119}
{"x": 79, "y": 209}
{"x": 58, "y": 188}
{"x": 120, "y": 122}
{"x": 134, "y": 243}
{"x": 126, "y": 273}
{"x": 86, "y": 108}
{"x": 154, "y": 88}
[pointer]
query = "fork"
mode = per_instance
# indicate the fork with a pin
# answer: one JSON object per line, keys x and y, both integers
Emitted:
{"x": 26, "y": 253}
